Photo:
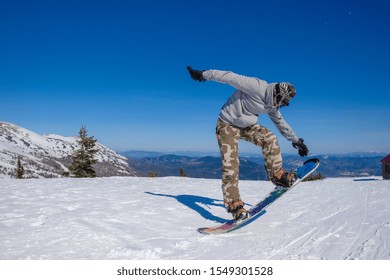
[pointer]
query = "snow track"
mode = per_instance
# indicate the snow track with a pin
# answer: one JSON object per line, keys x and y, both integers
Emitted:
{"x": 157, "y": 218}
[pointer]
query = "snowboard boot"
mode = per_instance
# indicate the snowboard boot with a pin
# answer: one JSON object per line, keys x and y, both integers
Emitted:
{"x": 284, "y": 179}
{"x": 236, "y": 208}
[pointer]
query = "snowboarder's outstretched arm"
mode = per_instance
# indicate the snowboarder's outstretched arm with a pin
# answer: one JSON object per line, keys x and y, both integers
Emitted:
{"x": 248, "y": 85}
{"x": 288, "y": 133}
{"x": 283, "y": 127}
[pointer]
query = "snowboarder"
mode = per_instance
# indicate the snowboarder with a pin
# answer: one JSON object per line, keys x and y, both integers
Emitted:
{"x": 238, "y": 120}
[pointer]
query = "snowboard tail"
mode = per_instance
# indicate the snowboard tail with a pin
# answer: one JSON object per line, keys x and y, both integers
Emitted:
{"x": 302, "y": 172}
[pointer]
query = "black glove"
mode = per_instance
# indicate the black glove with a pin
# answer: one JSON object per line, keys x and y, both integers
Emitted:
{"x": 196, "y": 74}
{"x": 302, "y": 148}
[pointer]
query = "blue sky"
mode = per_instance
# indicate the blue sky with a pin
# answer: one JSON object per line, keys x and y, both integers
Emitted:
{"x": 118, "y": 68}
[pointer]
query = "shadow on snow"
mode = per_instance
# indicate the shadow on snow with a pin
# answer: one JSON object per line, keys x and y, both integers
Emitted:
{"x": 193, "y": 201}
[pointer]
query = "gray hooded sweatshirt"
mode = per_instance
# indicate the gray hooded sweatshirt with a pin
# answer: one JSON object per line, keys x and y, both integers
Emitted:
{"x": 253, "y": 97}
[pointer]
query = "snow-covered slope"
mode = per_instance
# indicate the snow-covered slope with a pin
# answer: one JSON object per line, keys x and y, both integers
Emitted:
{"x": 48, "y": 155}
{"x": 156, "y": 218}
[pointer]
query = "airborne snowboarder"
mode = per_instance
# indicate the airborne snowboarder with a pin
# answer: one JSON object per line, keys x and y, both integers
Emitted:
{"x": 238, "y": 120}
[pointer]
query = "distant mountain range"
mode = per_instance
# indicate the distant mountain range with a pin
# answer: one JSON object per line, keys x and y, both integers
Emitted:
{"x": 47, "y": 156}
{"x": 251, "y": 167}
{"x": 204, "y": 167}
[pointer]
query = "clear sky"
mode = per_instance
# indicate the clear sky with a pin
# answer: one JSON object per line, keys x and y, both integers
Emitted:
{"x": 119, "y": 68}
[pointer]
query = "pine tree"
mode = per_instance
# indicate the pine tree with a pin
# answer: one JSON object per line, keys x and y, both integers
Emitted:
{"x": 152, "y": 174}
{"x": 182, "y": 173}
{"x": 83, "y": 159}
{"x": 19, "y": 169}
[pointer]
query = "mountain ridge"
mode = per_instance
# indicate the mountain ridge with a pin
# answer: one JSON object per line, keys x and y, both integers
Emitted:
{"x": 48, "y": 155}
{"x": 252, "y": 167}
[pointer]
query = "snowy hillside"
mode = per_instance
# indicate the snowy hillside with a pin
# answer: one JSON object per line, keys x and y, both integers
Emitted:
{"x": 48, "y": 155}
{"x": 156, "y": 218}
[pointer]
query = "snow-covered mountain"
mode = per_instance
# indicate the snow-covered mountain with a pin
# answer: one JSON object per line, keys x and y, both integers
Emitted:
{"x": 135, "y": 218}
{"x": 48, "y": 155}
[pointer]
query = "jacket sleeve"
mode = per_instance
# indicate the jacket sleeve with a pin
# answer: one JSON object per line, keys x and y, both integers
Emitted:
{"x": 248, "y": 85}
{"x": 282, "y": 126}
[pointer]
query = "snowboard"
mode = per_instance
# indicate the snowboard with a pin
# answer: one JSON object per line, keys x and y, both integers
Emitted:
{"x": 259, "y": 209}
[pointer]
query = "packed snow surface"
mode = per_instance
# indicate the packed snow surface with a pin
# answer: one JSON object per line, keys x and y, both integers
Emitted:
{"x": 156, "y": 218}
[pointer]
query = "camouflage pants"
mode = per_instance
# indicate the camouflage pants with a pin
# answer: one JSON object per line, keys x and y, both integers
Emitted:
{"x": 228, "y": 137}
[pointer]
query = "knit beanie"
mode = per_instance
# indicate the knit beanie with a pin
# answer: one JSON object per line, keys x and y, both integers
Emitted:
{"x": 283, "y": 93}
